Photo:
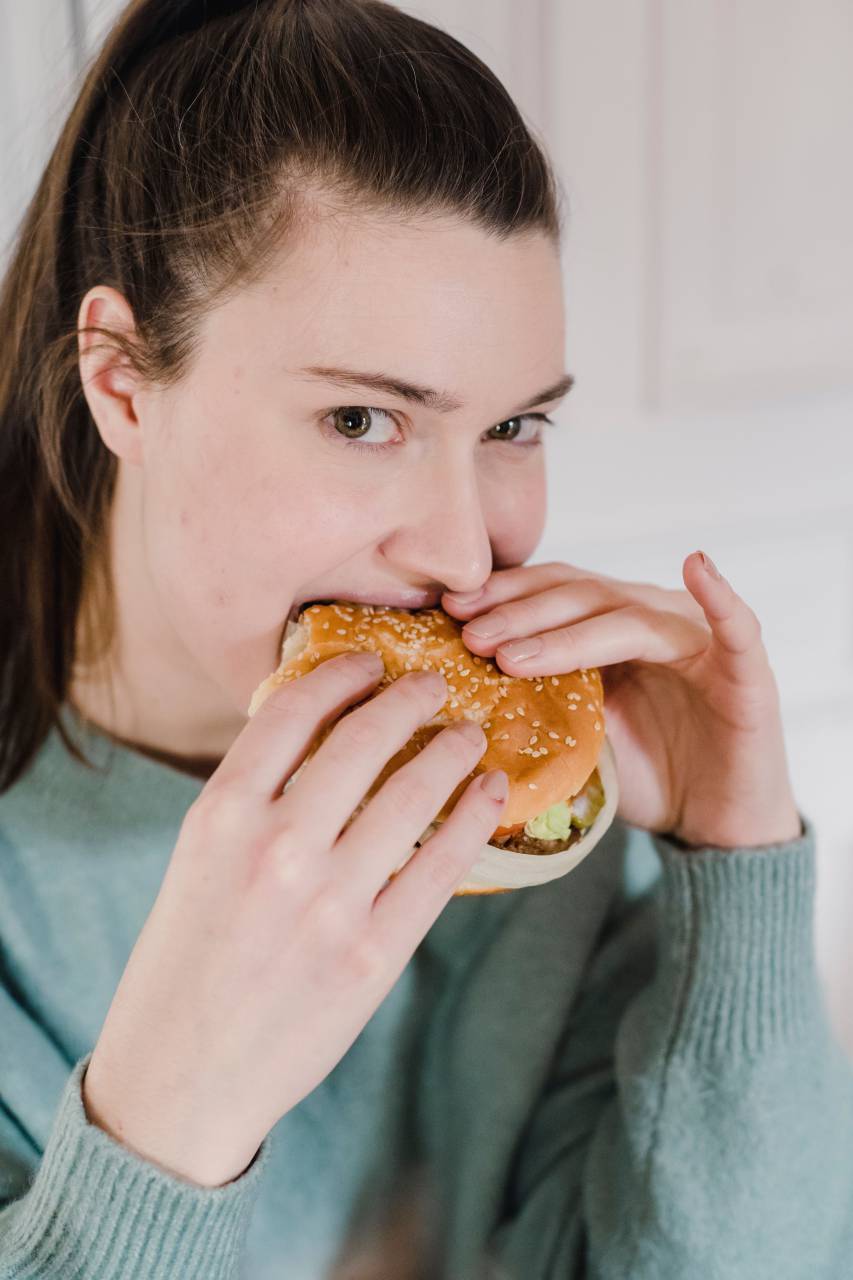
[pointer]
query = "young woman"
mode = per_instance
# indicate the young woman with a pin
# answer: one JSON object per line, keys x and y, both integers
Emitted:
{"x": 284, "y": 322}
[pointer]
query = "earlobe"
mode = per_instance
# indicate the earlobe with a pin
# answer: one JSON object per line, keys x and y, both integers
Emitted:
{"x": 109, "y": 381}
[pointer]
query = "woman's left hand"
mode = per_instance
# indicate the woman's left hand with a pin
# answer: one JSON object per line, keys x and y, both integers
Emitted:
{"x": 691, "y": 704}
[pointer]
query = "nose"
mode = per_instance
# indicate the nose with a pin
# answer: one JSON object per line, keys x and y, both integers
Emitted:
{"x": 443, "y": 537}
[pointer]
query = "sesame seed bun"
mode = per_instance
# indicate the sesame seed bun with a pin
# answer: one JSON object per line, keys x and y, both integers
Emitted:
{"x": 546, "y": 732}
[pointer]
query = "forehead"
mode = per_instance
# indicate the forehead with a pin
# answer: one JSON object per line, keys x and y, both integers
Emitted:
{"x": 437, "y": 297}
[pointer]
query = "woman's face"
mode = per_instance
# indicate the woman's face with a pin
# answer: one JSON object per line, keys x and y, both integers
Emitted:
{"x": 261, "y": 481}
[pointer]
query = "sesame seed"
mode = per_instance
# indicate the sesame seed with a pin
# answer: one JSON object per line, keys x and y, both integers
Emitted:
{"x": 534, "y": 738}
{"x": 487, "y": 724}
{"x": 533, "y": 786}
{"x": 573, "y": 707}
{"x": 464, "y": 672}
{"x": 554, "y": 680}
{"x": 509, "y": 715}
{"x": 474, "y": 704}
{"x": 570, "y": 742}
{"x": 552, "y": 734}
{"x": 536, "y": 724}
{"x": 590, "y": 707}
{"x": 341, "y": 631}
{"x": 454, "y": 702}
{"x": 325, "y": 626}
{"x": 597, "y": 724}
{"x": 502, "y": 737}
{"x": 520, "y": 710}
{"x": 543, "y": 751}
{"x": 539, "y": 688}
{"x": 477, "y": 661}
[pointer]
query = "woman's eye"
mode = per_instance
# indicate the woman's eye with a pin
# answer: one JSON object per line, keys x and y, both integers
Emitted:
{"x": 356, "y": 422}
{"x": 512, "y": 429}
{"x": 354, "y": 426}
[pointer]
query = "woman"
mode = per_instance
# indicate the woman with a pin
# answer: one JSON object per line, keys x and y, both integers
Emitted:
{"x": 284, "y": 322}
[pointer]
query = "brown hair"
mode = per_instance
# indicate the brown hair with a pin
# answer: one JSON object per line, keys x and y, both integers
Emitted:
{"x": 199, "y": 130}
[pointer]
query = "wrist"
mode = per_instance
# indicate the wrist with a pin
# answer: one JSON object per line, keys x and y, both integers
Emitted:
{"x": 742, "y": 832}
{"x": 177, "y": 1143}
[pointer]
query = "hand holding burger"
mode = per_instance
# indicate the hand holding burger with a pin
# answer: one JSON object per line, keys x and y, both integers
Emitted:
{"x": 546, "y": 734}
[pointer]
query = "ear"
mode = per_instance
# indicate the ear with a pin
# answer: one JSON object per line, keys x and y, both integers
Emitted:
{"x": 111, "y": 386}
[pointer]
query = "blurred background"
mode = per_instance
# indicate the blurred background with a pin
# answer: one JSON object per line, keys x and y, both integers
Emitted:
{"x": 708, "y": 259}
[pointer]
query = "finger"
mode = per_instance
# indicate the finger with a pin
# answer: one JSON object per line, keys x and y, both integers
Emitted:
{"x": 553, "y": 607}
{"x": 386, "y": 828}
{"x": 278, "y": 737}
{"x": 405, "y": 910}
{"x": 342, "y": 770}
{"x": 633, "y": 632}
{"x": 506, "y": 584}
{"x": 578, "y": 593}
{"x": 736, "y": 640}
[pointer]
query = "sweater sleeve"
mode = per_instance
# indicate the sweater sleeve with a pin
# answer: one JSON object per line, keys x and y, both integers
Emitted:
{"x": 94, "y": 1210}
{"x": 697, "y": 1123}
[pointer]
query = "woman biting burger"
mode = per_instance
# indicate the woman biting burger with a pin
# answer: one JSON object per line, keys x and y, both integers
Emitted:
{"x": 546, "y": 732}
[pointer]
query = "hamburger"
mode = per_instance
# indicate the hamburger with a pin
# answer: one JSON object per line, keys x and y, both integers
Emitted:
{"x": 546, "y": 732}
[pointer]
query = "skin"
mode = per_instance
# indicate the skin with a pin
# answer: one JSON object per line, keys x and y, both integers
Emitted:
{"x": 231, "y": 500}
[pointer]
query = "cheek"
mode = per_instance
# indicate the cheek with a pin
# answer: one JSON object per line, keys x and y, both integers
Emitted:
{"x": 225, "y": 540}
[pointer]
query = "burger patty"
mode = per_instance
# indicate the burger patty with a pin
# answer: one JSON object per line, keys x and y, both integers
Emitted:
{"x": 519, "y": 842}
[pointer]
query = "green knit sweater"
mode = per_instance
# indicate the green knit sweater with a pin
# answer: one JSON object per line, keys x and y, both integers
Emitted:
{"x": 625, "y": 1074}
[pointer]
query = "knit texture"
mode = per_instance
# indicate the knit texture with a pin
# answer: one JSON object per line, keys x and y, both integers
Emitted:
{"x": 625, "y": 1074}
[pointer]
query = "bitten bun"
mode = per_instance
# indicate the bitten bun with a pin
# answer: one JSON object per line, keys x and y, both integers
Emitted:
{"x": 546, "y": 732}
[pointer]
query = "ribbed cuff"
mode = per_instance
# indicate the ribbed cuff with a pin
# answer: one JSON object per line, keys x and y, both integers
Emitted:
{"x": 95, "y": 1208}
{"x": 736, "y": 946}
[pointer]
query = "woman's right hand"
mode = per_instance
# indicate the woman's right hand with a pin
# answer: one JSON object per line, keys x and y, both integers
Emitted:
{"x": 272, "y": 941}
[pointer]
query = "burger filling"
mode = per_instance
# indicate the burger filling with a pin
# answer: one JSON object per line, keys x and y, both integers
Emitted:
{"x": 559, "y": 827}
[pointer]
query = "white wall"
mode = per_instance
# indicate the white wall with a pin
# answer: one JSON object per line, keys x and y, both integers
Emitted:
{"x": 704, "y": 147}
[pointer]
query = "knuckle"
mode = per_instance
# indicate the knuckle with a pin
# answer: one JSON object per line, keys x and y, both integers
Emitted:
{"x": 441, "y": 868}
{"x": 460, "y": 749}
{"x": 522, "y": 614}
{"x": 754, "y": 624}
{"x": 362, "y": 728}
{"x": 365, "y": 959}
{"x": 422, "y": 694}
{"x": 217, "y": 809}
{"x": 298, "y": 705}
{"x": 330, "y": 917}
{"x": 408, "y": 791}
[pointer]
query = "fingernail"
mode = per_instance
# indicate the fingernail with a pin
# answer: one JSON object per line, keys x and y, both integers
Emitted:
{"x": 495, "y": 784}
{"x": 521, "y": 650}
{"x": 709, "y": 566}
{"x": 464, "y": 597}
{"x": 485, "y": 628}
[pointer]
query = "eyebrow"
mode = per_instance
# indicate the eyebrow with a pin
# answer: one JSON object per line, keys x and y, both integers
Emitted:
{"x": 440, "y": 401}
